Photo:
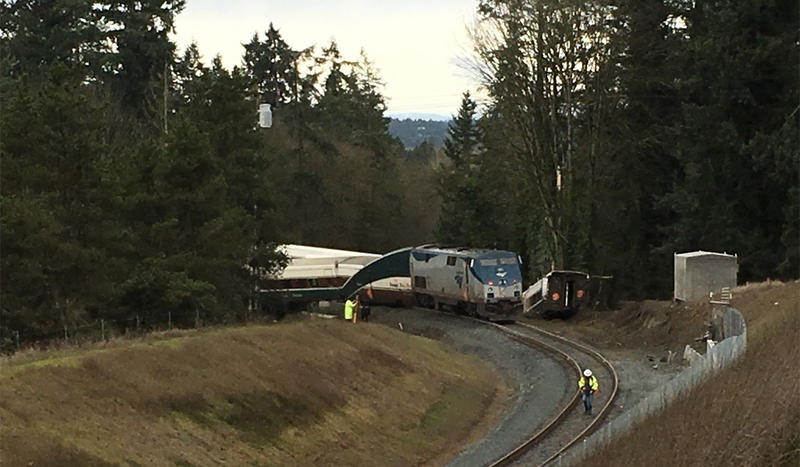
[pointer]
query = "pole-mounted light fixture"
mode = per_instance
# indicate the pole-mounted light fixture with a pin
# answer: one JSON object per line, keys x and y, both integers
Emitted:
{"x": 264, "y": 116}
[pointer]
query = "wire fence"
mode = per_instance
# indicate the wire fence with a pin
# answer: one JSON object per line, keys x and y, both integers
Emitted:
{"x": 140, "y": 324}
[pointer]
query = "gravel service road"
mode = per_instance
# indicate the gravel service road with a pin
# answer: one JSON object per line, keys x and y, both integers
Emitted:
{"x": 539, "y": 381}
{"x": 641, "y": 368}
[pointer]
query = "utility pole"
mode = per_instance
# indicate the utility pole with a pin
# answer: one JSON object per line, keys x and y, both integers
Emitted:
{"x": 165, "y": 97}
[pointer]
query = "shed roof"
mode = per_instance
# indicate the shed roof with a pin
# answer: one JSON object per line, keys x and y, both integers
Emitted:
{"x": 694, "y": 254}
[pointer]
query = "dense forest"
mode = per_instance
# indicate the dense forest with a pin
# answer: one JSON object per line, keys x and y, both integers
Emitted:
{"x": 136, "y": 184}
{"x": 619, "y": 132}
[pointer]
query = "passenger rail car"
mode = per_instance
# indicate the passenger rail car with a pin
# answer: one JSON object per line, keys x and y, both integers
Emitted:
{"x": 476, "y": 282}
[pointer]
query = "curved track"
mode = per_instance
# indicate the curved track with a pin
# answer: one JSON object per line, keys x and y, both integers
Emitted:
{"x": 570, "y": 424}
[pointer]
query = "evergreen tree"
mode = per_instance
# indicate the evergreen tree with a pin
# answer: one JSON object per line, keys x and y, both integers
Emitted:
{"x": 463, "y": 203}
{"x": 39, "y": 33}
{"x": 58, "y": 238}
{"x": 638, "y": 167}
{"x": 139, "y": 30}
{"x": 272, "y": 66}
{"x": 737, "y": 160}
{"x": 210, "y": 205}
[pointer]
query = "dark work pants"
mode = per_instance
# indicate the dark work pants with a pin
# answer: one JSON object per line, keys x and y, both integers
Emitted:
{"x": 587, "y": 401}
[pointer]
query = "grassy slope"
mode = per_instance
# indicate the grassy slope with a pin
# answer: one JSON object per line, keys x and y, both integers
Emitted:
{"x": 303, "y": 393}
{"x": 748, "y": 414}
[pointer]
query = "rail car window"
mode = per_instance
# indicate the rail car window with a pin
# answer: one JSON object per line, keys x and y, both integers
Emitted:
{"x": 421, "y": 256}
{"x": 419, "y": 282}
{"x": 451, "y": 260}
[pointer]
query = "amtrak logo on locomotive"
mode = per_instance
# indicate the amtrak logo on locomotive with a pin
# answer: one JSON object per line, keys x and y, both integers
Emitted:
{"x": 459, "y": 279}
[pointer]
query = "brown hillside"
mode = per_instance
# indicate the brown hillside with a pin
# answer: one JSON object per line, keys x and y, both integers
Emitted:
{"x": 314, "y": 392}
{"x": 746, "y": 415}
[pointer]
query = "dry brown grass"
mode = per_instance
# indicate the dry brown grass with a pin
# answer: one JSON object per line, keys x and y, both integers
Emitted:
{"x": 748, "y": 414}
{"x": 305, "y": 393}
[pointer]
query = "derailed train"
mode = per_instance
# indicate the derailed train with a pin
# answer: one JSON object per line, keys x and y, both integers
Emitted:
{"x": 489, "y": 283}
{"x": 471, "y": 281}
{"x": 478, "y": 282}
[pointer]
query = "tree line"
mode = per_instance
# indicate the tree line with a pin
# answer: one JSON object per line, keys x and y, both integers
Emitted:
{"x": 136, "y": 185}
{"x": 619, "y": 132}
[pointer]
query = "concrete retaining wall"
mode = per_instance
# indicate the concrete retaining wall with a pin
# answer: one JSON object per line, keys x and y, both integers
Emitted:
{"x": 720, "y": 356}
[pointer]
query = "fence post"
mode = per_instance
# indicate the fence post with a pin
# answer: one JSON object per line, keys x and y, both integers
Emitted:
{"x": 137, "y": 322}
{"x": 169, "y": 320}
{"x": 196, "y": 317}
{"x": 66, "y": 336}
{"x": 16, "y": 337}
{"x": 102, "y": 329}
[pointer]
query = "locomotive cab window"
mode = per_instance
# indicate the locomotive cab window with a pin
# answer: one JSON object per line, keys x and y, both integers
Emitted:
{"x": 451, "y": 260}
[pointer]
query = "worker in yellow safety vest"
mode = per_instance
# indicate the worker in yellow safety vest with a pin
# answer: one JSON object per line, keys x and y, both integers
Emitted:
{"x": 349, "y": 308}
{"x": 587, "y": 386}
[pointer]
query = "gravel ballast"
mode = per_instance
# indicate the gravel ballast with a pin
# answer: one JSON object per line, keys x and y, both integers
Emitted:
{"x": 539, "y": 381}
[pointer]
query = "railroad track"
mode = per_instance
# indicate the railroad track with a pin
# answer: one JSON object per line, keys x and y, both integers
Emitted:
{"x": 570, "y": 424}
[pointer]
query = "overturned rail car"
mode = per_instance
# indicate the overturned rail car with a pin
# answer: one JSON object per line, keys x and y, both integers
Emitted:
{"x": 558, "y": 294}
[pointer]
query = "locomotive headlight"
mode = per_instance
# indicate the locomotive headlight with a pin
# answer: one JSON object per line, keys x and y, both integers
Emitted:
{"x": 579, "y": 293}
{"x": 555, "y": 296}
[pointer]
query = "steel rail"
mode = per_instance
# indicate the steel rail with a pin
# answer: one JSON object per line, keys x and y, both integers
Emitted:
{"x": 606, "y": 408}
{"x": 526, "y": 445}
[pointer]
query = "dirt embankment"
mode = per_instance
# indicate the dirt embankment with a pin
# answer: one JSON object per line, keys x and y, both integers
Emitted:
{"x": 651, "y": 326}
{"x": 747, "y": 414}
{"x": 316, "y": 392}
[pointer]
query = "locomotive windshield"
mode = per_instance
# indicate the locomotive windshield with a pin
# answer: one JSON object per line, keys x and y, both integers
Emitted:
{"x": 500, "y": 271}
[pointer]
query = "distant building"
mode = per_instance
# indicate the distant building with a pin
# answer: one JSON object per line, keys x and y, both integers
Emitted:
{"x": 699, "y": 273}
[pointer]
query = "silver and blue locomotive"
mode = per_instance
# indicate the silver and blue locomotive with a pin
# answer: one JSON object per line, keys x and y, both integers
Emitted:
{"x": 472, "y": 281}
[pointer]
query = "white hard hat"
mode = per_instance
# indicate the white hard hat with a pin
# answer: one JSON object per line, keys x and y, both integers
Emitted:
{"x": 587, "y": 372}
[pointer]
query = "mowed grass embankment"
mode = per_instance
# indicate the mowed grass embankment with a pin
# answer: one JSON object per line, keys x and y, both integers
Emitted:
{"x": 748, "y": 414}
{"x": 310, "y": 392}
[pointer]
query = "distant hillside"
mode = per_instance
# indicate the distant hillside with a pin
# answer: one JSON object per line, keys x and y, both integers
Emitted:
{"x": 418, "y": 116}
{"x": 413, "y": 132}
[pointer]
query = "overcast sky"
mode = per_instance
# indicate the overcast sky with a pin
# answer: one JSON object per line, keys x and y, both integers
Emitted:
{"x": 414, "y": 43}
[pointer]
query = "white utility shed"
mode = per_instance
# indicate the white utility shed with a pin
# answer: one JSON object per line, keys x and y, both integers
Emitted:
{"x": 699, "y": 273}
